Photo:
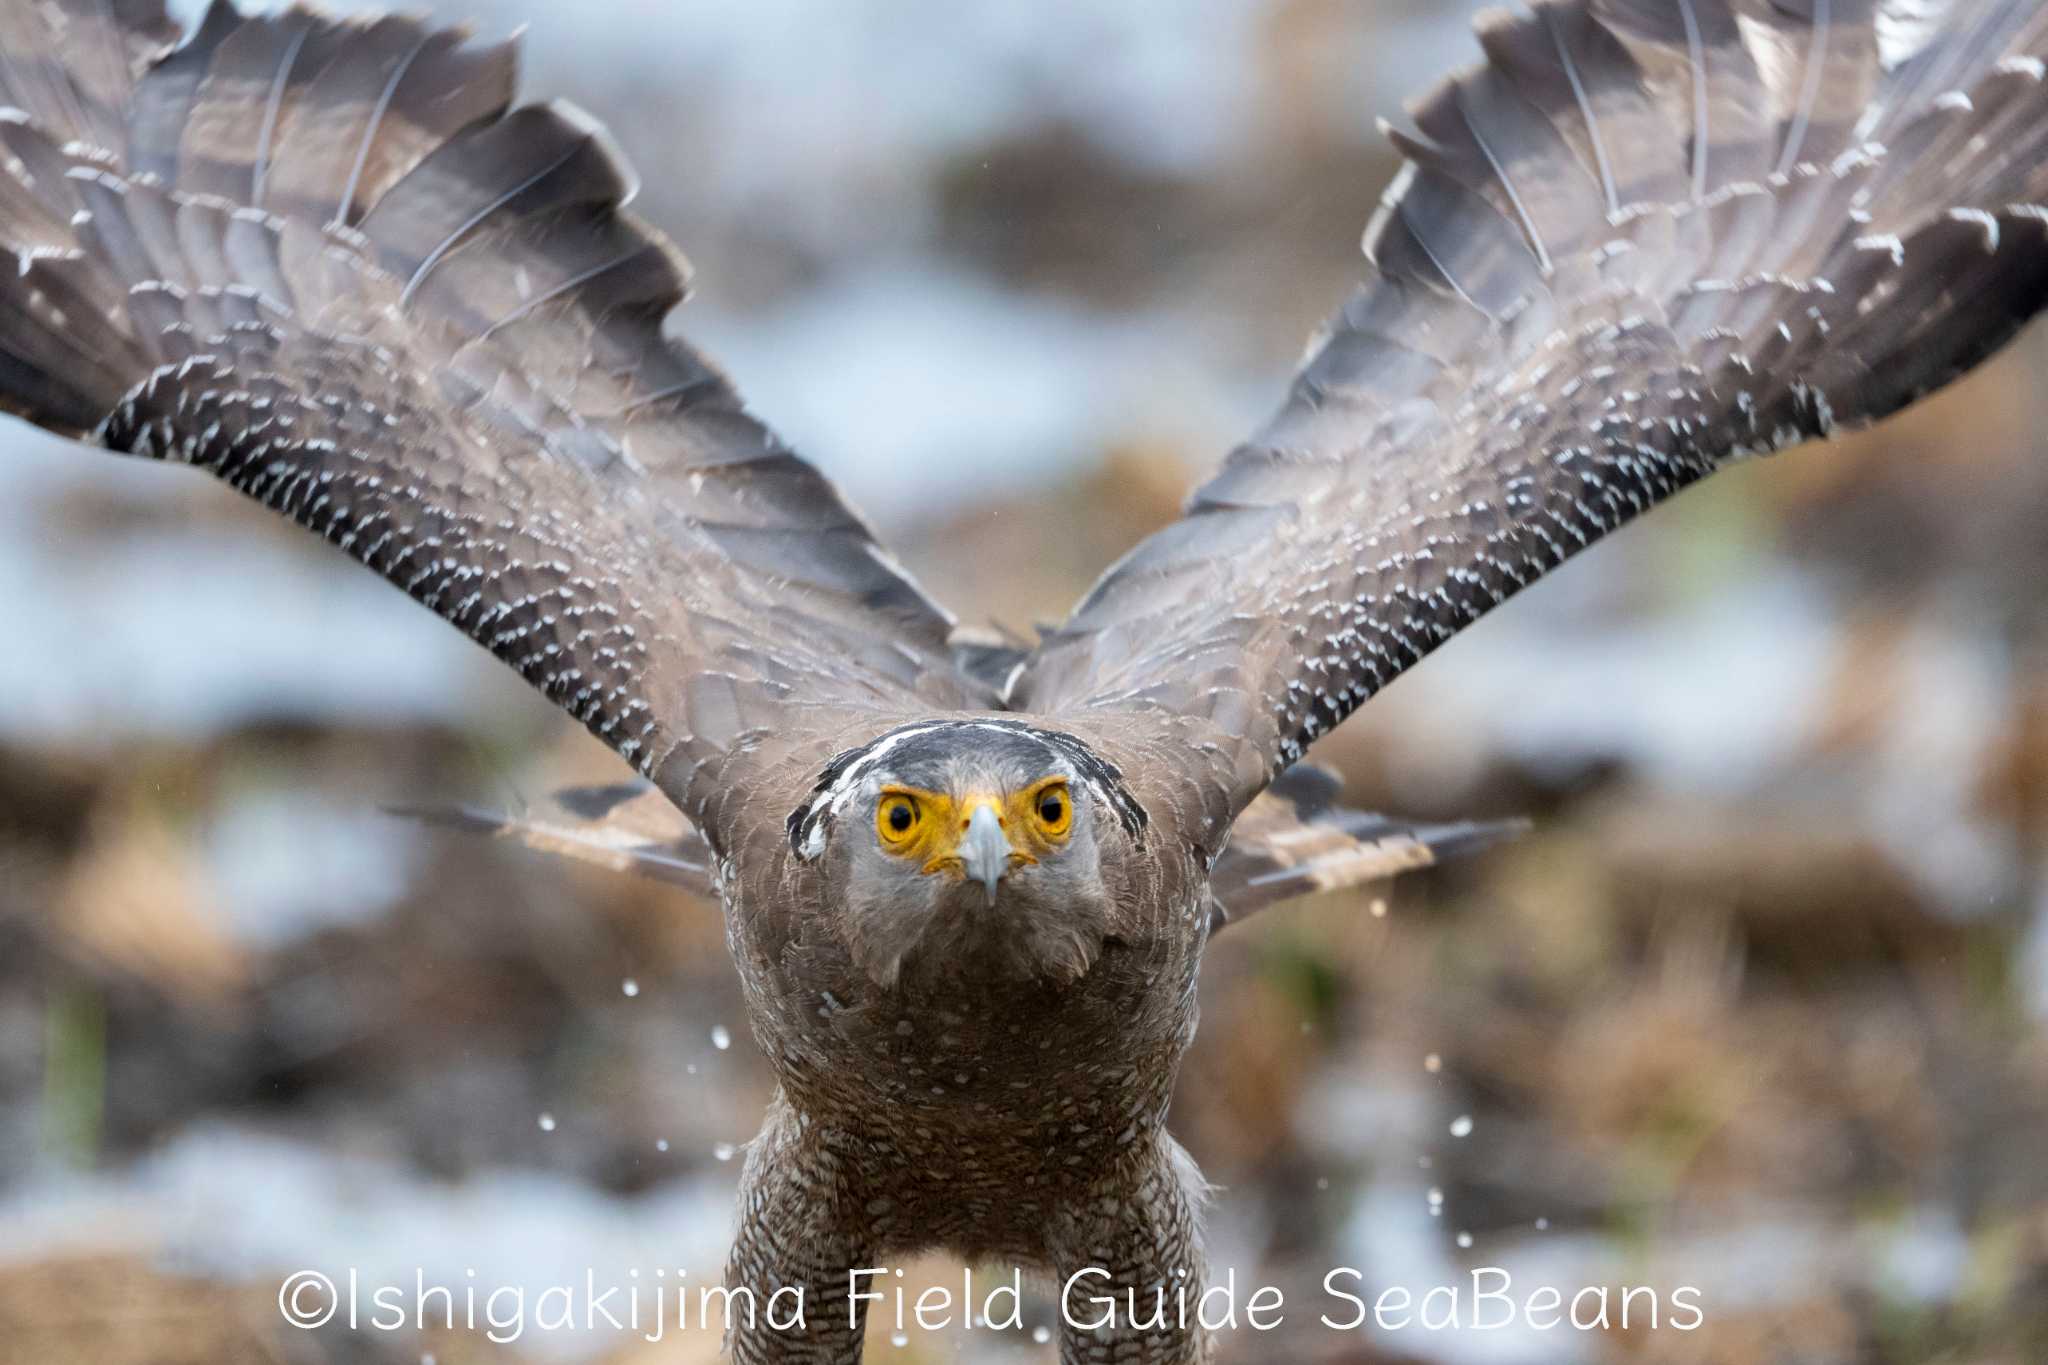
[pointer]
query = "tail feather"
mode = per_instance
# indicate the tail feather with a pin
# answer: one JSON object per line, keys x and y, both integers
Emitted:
{"x": 625, "y": 827}
{"x": 1293, "y": 840}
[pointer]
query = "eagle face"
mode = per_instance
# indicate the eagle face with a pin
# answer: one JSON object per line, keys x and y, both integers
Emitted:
{"x": 956, "y": 851}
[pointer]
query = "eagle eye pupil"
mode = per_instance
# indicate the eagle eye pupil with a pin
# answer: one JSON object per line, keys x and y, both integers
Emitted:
{"x": 900, "y": 817}
{"x": 1050, "y": 810}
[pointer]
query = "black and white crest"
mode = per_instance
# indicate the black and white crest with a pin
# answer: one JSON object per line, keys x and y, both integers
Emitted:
{"x": 908, "y": 748}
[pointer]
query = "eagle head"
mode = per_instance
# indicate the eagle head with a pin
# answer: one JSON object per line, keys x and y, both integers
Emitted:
{"x": 970, "y": 849}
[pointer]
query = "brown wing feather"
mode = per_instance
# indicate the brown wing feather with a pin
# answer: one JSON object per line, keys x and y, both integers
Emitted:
{"x": 323, "y": 260}
{"x": 1648, "y": 238}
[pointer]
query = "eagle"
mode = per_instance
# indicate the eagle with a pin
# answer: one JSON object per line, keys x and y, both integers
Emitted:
{"x": 968, "y": 885}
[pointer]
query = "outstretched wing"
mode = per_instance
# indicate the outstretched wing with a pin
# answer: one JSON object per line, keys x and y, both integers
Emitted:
{"x": 328, "y": 261}
{"x": 1646, "y": 238}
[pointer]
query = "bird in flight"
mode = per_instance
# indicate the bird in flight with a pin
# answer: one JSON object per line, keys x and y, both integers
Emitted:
{"x": 968, "y": 887}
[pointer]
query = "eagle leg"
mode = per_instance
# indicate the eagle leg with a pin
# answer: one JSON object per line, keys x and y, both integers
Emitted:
{"x": 1130, "y": 1264}
{"x": 793, "y": 1252}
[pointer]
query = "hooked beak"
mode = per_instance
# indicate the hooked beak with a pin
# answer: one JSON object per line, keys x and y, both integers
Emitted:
{"x": 985, "y": 851}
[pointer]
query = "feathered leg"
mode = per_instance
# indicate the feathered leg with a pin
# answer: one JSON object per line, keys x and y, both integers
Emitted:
{"x": 1129, "y": 1258}
{"x": 794, "y": 1234}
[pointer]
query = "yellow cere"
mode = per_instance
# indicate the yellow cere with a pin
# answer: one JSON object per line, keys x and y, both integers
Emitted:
{"x": 927, "y": 826}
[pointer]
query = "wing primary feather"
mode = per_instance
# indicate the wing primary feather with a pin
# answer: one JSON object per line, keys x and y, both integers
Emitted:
{"x": 1696, "y": 54}
{"x": 1507, "y": 183}
{"x": 61, "y": 95}
{"x": 565, "y": 286}
{"x": 682, "y": 388}
{"x": 273, "y": 104}
{"x": 1416, "y": 235}
{"x": 471, "y": 223}
{"x": 376, "y": 122}
{"x": 1809, "y": 87}
{"x": 111, "y": 33}
{"x": 1585, "y": 102}
{"x": 161, "y": 105}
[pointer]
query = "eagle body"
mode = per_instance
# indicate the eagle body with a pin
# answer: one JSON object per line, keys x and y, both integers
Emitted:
{"x": 968, "y": 885}
{"x": 988, "y": 1102}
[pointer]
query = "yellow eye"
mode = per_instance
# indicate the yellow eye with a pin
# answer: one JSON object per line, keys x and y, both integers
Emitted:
{"x": 897, "y": 819}
{"x": 1053, "y": 810}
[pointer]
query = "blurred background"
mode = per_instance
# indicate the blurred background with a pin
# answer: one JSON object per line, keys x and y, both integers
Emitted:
{"x": 1760, "y": 1006}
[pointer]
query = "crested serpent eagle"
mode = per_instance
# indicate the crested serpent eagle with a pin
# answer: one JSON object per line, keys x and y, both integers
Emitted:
{"x": 968, "y": 887}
